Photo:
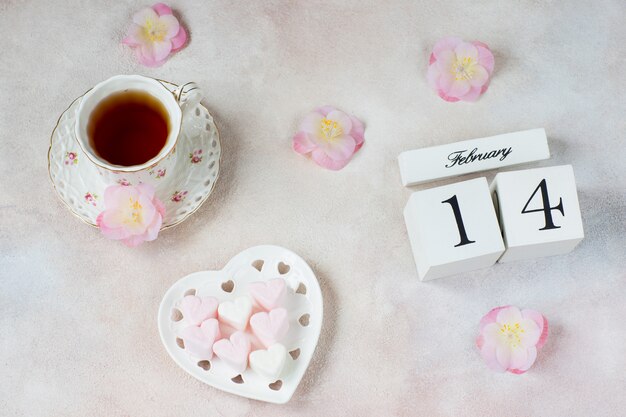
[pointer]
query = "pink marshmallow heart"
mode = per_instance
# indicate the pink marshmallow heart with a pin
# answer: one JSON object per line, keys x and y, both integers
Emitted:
{"x": 199, "y": 340}
{"x": 234, "y": 352}
{"x": 270, "y": 327}
{"x": 196, "y": 309}
{"x": 268, "y": 295}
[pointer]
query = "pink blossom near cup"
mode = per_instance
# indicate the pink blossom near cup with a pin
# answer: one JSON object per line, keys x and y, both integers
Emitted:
{"x": 132, "y": 214}
{"x": 155, "y": 33}
{"x": 460, "y": 70}
{"x": 509, "y": 339}
{"x": 330, "y": 137}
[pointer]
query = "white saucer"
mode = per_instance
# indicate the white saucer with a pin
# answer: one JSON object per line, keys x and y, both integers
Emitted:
{"x": 182, "y": 189}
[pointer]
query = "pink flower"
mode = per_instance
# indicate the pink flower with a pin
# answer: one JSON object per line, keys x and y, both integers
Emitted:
{"x": 459, "y": 70}
{"x": 155, "y": 33}
{"x": 132, "y": 214}
{"x": 91, "y": 199}
{"x": 71, "y": 158}
{"x": 509, "y": 338}
{"x": 178, "y": 196}
{"x": 330, "y": 136}
{"x": 196, "y": 156}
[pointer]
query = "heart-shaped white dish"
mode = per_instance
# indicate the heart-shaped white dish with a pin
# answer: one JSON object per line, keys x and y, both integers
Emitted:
{"x": 303, "y": 301}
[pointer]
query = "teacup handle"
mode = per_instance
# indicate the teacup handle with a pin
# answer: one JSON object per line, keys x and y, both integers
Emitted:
{"x": 188, "y": 96}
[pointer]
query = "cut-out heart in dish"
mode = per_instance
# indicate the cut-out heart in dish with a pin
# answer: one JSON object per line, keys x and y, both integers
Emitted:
{"x": 254, "y": 265}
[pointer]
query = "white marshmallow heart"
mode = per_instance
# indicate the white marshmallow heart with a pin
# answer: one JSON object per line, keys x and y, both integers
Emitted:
{"x": 269, "y": 363}
{"x": 268, "y": 295}
{"x": 199, "y": 340}
{"x": 234, "y": 351}
{"x": 198, "y": 309}
{"x": 270, "y": 327}
{"x": 235, "y": 313}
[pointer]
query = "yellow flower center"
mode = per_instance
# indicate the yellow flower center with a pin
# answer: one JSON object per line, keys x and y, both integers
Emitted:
{"x": 463, "y": 69}
{"x": 135, "y": 215}
{"x": 330, "y": 129}
{"x": 154, "y": 31}
{"x": 512, "y": 334}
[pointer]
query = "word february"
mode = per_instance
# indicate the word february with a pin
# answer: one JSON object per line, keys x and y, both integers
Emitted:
{"x": 457, "y": 157}
{"x": 428, "y": 164}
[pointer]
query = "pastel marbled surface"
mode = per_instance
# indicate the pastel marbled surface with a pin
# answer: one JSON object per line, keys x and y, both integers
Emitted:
{"x": 78, "y": 312}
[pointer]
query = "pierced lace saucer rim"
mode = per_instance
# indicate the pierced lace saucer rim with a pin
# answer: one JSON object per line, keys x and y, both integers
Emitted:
{"x": 86, "y": 220}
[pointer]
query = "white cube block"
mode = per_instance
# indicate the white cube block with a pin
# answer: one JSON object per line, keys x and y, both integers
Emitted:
{"x": 453, "y": 229}
{"x": 539, "y": 212}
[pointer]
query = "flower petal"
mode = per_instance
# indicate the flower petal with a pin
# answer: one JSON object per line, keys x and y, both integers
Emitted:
{"x": 357, "y": 132}
{"x": 488, "y": 353}
{"x": 473, "y": 94}
{"x": 147, "y": 60}
{"x": 159, "y": 50}
{"x": 134, "y": 36}
{"x": 503, "y": 355}
{"x": 445, "y": 61}
{"x": 158, "y": 205}
{"x": 519, "y": 358}
{"x": 532, "y": 332}
{"x": 544, "y": 334}
{"x": 146, "y": 14}
{"x": 490, "y": 317}
{"x": 324, "y": 110}
{"x": 485, "y": 56}
{"x": 459, "y": 88}
{"x": 446, "y": 97}
{"x": 508, "y": 315}
{"x": 312, "y": 123}
{"x": 146, "y": 190}
{"x": 446, "y": 79}
{"x": 466, "y": 50}
{"x": 153, "y": 230}
{"x": 491, "y": 333}
{"x": 179, "y": 40}
{"x": 172, "y": 25}
{"x": 162, "y": 9}
{"x": 342, "y": 119}
{"x": 148, "y": 212}
{"x": 537, "y": 318}
{"x": 530, "y": 359}
{"x": 133, "y": 240}
{"x": 340, "y": 148}
{"x": 302, "y": 144}
{"x": 479, "y": 76}
{"x": 432, "y": 76}
{"x": 445, "y": 44}
{"x": 321, "y": 159}
{"x": 111, "y": 232}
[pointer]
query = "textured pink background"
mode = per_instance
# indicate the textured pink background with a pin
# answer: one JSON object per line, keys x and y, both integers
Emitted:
{"x": 78, "y": 313}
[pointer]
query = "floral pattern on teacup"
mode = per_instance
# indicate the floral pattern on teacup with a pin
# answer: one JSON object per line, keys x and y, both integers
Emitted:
{"x": 90, "y": 198}
{"x": 196, "y": 156}
{"x": 71, "y": 158}
{"x": 159, "y": 173}
{"x": 123, "y": 181}
{"x": 178, "y": 196}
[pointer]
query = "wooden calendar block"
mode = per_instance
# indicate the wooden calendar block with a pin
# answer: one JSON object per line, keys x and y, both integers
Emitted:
{"x": 539, "y": 212}
{"x": 453, "y": 229}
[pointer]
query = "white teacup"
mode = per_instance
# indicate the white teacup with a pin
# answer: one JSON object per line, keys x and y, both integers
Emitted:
{"x": 176, "y": 105}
